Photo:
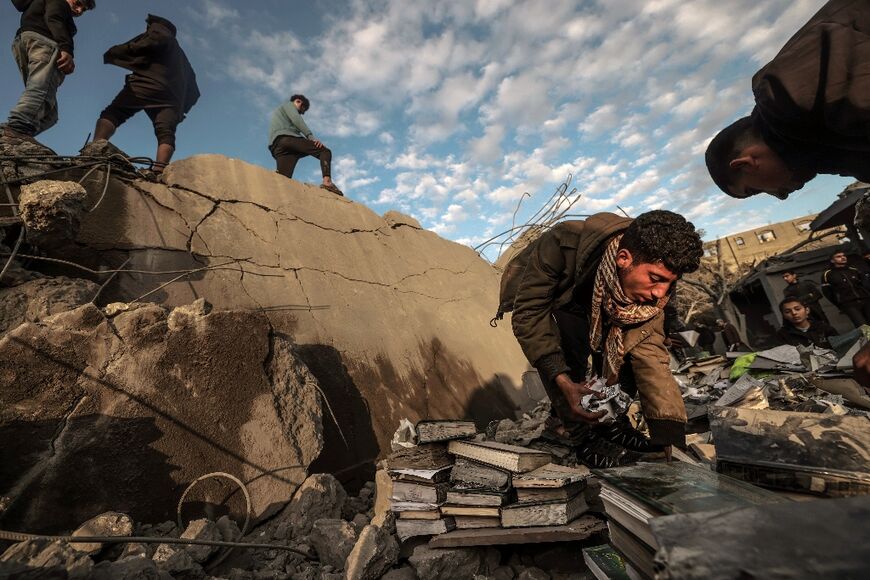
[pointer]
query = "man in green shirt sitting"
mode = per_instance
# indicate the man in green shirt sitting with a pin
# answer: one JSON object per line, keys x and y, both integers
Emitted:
{"x": 290, "y": 140}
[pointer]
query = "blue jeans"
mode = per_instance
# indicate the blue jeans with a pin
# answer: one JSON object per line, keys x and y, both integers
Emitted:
{"x": 36, "y": 109}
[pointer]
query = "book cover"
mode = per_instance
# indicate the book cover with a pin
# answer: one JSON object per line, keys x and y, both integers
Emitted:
{"x": 605, "y": 563}
{"x": 510, "y": 457}
{"x": 470, "y": 475}
{"x": 543, "y": 514}
{"x": 668, "y": 488}
{"x": 434, "y": 431}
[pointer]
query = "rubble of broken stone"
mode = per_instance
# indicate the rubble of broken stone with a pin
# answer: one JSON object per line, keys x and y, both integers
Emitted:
{"x": 784, "y": 378}
{"x": 340, "y": 535}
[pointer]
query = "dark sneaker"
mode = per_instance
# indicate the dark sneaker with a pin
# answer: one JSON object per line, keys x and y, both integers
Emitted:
{"x": 598, "y": 453}
{"x": 621, "y": 433}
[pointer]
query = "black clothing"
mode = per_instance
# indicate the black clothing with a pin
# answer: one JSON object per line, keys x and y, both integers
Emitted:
{"x": 128, "y": 102}
{"x": 809, "y": 294}
{"x": 813, "y": 99}
{"x": 52, "y": 19}
{"x": 816, "y": 334}
{"x": 161, "y": 72}
{"x": 845, "y": 288}
{"x": 858, "y": 312}
{"x": 288, "y": 150}
{"x": 845, "y": 285}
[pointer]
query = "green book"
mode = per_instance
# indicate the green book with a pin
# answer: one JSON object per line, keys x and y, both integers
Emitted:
{"x": 605, "y": 563}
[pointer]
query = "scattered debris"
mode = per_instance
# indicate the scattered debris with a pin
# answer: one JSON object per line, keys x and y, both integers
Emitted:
{"x": 52, "y": 212}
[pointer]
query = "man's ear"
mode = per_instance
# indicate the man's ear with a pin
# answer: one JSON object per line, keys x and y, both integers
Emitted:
{"x": 624, "y": 259}
{"x": 746, "y": 163}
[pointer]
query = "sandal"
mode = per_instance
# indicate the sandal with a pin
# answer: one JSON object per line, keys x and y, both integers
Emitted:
{"x": 331, "y": 187}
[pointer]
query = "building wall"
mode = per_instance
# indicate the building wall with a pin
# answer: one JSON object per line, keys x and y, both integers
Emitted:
{"x": 751, "y": 246}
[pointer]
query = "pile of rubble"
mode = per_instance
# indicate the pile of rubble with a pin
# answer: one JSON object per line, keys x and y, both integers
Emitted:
{"x": 322, "y": 534}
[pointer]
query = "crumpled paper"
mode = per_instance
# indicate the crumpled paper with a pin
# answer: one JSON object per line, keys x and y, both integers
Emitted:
{"x": 405, "y": 436}
{"x": 615, "y": 401}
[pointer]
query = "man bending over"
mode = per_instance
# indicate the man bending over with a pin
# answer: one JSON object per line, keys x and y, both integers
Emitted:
{"x": 598, "y": 288}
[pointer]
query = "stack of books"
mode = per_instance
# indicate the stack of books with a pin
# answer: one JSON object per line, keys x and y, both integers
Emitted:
{"x": 499, "y": 485}
{"x": 462, "y": 483}
{"x": 421, "y": 476}
{"x": 634, "y": 495}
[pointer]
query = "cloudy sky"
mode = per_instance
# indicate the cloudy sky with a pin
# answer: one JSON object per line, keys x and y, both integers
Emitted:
{"x": 451, "y": 110}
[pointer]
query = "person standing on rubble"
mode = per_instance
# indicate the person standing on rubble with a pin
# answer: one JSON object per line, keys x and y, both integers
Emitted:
{"x": 290, "y": 140}
{"x": 807, "y": 292}
{"x": 598, "y": 288}
{"x": 844, "y": 286}
{"x": 798, "y": 327}
{"x": 44, "y": 52}
{"x": 812, "y": 110}
{"x": 162, "y": 83}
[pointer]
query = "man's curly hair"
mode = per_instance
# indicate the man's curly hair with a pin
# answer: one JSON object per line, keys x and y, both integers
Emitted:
{"x": 666, "y": 237}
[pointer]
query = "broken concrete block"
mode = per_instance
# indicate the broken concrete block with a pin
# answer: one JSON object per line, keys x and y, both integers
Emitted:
{"x": 182, "y": 316}
{"x": 229, "y": 529}
{"x": 52, "y": 211}
{"x": 383, "y": 491}
{"x": 320, "y": 496}
{"x": 375, "y": 552}
{"x": 53, "y": 557}
{"x": 177, "y": 562}
{"x": 533, "y": 574}
{"x": 129, "y": 569}
{"x": 37, "y": 299}
{"x": 359, "y": 522}
{"x": 107, "y": 524}
{"x": 403, "y": 573}
{"x": 202, "y": 529}
{"x": 445, "y": 564}
{"x": 333, "y": 540}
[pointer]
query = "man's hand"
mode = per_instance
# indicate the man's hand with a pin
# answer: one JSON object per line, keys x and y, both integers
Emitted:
{"x": 573, "y": 392}
{"x": 861, "y": 364}
{"x": 66, "y": 63}
{"x": 317, "y": 144}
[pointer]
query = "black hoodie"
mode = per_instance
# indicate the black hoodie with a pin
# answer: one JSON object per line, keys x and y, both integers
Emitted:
{"x": 158, "y": 63}
{"x": 52, "y": 19}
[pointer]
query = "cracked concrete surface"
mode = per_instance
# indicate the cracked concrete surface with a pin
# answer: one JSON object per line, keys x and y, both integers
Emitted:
{"x": 380, "y": 291}
{"x": 125, "y": 411}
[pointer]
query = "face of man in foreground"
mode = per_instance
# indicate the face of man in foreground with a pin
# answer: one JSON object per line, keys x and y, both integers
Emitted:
{"x": 795, "y": 312}
{"x": 839, "y": 259}
{"x": 761, "y": 170}
{"x": 643, "y": 283}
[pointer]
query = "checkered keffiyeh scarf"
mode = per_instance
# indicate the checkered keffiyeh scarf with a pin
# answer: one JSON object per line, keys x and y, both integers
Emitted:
{"x": 608, "y": 297}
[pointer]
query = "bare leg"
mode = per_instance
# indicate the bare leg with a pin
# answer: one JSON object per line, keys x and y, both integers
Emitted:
{"x": 164, "y": 155}
{"x": 104, "y": 129}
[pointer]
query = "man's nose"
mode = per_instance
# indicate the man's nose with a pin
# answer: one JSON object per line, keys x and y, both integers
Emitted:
{"x": 659, "y": 290}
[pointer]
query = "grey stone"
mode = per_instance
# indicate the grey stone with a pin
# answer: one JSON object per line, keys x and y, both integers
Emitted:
{"x": 333, "y": 540}
{"x": 53, "y": 555}
{"x": 359, "y": 522}
{"x": 533, "y": 574}
{"x": 106, "y": 524}
{"x": 134, "y": 550}
{"x": 177, "y": 562}
{"x": 52, "y": 211}
{"x": 320, "y": 496}
{"x": 128, "y": 569}
{"x": 201, "y": 529}
{"x": 375, "y": 552}
{"x": 446, "y": 563}
{"x": 403, "y": 573}
{"x": 502, "y": 573}
{"x": 229, "y": 529}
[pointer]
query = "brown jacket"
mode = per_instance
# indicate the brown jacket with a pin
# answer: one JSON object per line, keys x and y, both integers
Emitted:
{"x": 563, "y": 258}
{"x": 813, "y": 99}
